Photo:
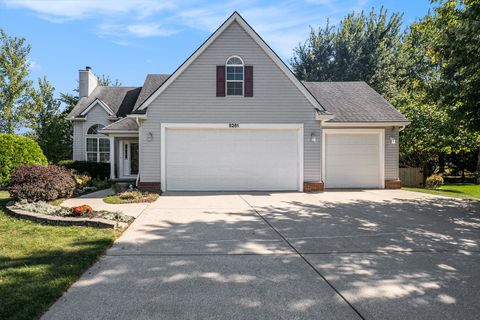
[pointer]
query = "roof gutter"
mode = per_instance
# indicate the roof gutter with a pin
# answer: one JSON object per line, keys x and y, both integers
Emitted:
{"x": 137, "y": 117}
{"x": 367, "y": 124}
{"x": 75, "y": 119}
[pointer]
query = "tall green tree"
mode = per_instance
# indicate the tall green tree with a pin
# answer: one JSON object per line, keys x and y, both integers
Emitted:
{"x": 456, "y": 49}
{"x": 14, "y": 83}
{"x": 363, "y": 47}
{"x": 433, "y": 130}
{"x": 48, "y": 124}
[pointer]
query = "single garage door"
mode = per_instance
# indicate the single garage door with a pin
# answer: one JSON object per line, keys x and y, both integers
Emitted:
{"x": 231, "y": 159}
{"x": 353, "y": 160}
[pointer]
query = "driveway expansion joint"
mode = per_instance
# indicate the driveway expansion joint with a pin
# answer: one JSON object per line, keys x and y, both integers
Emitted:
{"x": 198, "y": 254}
{"x": 305, "y": 260}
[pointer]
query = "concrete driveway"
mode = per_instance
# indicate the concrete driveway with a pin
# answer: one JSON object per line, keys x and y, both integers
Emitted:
{"x": 376, "y": 254}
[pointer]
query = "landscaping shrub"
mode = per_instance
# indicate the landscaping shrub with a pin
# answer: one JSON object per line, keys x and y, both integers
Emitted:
{"x": 82, "y": 210}
{"x": 96, "y": 170}
{"x": 43, "y": 208}
{"x": 435, "y": 181}
{"x": 82, "y": 180}
{"x": 100, "y": 184}
{"x": 41, "y": 183}
{"x": 16, "y": 151}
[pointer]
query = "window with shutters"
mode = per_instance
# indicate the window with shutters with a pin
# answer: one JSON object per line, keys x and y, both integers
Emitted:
{"x": 234, "y": 76}
{"x": 98, "y": 146}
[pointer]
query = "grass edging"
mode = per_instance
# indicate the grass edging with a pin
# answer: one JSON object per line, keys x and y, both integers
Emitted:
{"x": 131, "y": 197}
{"x": 451, "y": 191}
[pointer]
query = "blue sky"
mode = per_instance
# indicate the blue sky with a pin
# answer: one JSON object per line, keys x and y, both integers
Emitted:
{"x": 127, "y": 39}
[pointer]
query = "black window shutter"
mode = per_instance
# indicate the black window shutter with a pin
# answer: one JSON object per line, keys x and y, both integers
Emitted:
{"x": 248, "y": 81}
{"x": 220, "y": 81}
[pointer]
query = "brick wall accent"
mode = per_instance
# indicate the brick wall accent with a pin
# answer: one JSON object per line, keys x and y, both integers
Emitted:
{"x": 149, "y": 186}
{"x": 313, "y": 186}
{"x": 393, "y": 184}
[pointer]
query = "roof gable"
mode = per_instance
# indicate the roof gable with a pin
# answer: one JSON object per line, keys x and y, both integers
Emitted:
{"x": 120, "y": 101}
{"x": 235, "y": 17}
{"x": 100, "y": 103}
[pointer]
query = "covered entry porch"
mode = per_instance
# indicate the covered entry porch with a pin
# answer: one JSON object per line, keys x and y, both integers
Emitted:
{"x": 125, "y": 158}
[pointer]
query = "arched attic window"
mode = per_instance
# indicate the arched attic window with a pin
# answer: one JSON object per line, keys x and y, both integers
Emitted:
{"x": 98, "y": 146}
{"x": 234, "y": 76}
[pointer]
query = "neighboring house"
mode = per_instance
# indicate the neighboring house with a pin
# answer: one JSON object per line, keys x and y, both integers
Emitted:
{"x": 234, "y": 117}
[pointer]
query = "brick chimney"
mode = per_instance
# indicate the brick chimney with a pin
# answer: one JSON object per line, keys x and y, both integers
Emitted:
{"x": 87, "y": 82}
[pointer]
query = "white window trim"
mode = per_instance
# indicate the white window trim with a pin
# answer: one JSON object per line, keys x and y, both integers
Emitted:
{"x": 243, "y": 126}
{"x": 381, "y": 134}
{"x": 97, "y": 137}
{"x": 226, "y": 75}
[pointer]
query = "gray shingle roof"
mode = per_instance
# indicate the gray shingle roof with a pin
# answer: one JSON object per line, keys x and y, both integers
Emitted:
{"x": 354, "y": 101}
{"x": 120, "y": 99}
{"x": 152, "y": 83}
{"x": 124, "y": 124}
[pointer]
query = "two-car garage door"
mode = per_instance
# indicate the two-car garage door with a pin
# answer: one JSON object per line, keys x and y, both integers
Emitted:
{"x": 232, "y": 159}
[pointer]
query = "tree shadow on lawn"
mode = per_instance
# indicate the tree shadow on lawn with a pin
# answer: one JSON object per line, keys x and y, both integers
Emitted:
{"x": 28, "y": 285}
{"x": 391, "y": 259}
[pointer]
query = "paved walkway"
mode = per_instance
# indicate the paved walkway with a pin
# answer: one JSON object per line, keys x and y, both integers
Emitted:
{"x": 377, "y": 254}
{"x": 95, "y": 200}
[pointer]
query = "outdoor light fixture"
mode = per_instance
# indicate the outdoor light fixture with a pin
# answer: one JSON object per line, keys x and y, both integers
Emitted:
{"x": 313, "y": 137}
{"x": 149, "y": 136}
{"x": 393, "y": 140}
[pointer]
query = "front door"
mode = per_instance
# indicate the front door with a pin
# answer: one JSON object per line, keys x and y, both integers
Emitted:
{"x": 130, "y": 158}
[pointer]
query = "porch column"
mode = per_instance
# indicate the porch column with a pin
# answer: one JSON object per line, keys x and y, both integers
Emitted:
{"x": 112, "y": 157}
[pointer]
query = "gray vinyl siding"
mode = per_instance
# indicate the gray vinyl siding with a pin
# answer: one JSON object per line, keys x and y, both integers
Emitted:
{"x": 78, "y": 151}
{"x": 192, "y": 99}
{"x": 391, "y": 154}
{"x": 96, "y": 115}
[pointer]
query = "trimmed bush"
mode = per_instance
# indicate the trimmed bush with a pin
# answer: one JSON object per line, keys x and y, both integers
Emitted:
{"x": 16, "y": 151}
{"x": 96, "y": 170}
{"x": 435, "y": 181}
{"x": 41, "y": 183}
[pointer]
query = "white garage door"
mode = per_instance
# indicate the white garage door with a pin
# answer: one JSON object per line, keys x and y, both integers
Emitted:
{"x": 353, "y": 160}
{"x": 231, "y": 159}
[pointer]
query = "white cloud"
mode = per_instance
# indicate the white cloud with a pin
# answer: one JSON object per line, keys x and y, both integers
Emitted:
{"x": 62, "y": 10}
{"x": 283, "y": 24}
{"x": 149, "y": 30}
{"x": 140, "y": 30}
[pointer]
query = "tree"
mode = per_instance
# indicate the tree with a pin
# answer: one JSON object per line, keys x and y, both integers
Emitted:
{"x": 69, "y": 100}
{"x": 48, "y": 124}
{"x": 105, "y": 81}
{"x": 361, "y": 48}
{"x": 456, "y": 48}
{"x": 432, "y": 131}
{"x": 14, "y": 83}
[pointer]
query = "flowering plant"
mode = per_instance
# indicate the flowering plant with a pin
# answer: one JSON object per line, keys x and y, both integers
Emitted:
{"x": 82, "y": 210}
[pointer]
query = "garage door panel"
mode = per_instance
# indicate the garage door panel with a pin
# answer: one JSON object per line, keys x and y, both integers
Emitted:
{"x": 230, "y": 160}
{"x": 352, "y": 160}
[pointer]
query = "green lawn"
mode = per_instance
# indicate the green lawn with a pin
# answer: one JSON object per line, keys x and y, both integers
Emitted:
{"x": 132, "y": 197}
{"x": 39, "y": 262}
{"x": 457, "y": 190}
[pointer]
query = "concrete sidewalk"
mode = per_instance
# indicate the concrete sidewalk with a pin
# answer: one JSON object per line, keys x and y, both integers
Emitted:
{"x": 95, "y": 200}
